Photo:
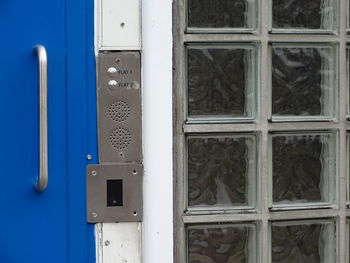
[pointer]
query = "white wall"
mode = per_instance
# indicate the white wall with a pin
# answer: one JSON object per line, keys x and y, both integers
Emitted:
{"x": 157, "y": 131}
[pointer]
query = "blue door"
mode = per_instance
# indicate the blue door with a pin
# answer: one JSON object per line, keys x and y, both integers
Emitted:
{"x": 49, "y": 226}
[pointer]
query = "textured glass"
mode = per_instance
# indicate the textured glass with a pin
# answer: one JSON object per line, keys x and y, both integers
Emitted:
{"x": 303, "y": 81}
{"x": 303, "y": 242}
{"x": 221, "y": 82}
{"x": 222, "y": 244}
{"x": 302, "y": 15}
{"x": 303, "y": 168}
{"x": 220, "y": 171}
{"x": 221, "y": 14}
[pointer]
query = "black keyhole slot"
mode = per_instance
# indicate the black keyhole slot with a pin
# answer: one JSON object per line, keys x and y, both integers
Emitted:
{"x": 114, "y": 193}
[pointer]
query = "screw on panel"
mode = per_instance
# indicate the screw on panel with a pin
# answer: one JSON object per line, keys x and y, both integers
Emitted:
{"x": 134, "y": 172}
{"x": 134, "y": 85}
{"x": 107, "y": 243}
{"x": 118, "y": 60}
{"x": 88, "y": 157}
{"x": 94, "y": 173}
{"x": 94, "y": 215}
{"x": 135, "y": 213}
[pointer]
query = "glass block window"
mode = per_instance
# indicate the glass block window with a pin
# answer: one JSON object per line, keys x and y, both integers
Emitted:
{"x": 312, "y": 16}
{"x": 222, "y": 171}
{"x": 221, "y": 82}
{"x": 222, "y": 243}
{"x": 221, "y": 16}
{"x": 304, "y": 81}
{"x": 303, "y": 241}
{"x": 261, "y": 131}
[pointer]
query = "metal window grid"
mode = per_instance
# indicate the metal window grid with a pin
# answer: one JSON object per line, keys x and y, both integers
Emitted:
{"x": 264, "y": 216}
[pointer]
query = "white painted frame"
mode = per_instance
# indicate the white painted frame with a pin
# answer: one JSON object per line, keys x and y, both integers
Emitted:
{"x": 118, "y": 24}
{"x": 156, "y": 50}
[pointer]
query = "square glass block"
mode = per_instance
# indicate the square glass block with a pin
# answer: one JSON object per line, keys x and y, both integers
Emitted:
{"x": 304, "y": 169}
{"x": 300, "y": 16}
{"x": 222, "y": 243}
{"x": 222, "y": 172}
{"x": 221, "y": 16}
{"x": 221, "y": 82}
{"x": 303, "y": 241}
{"x": 303, "y": 82}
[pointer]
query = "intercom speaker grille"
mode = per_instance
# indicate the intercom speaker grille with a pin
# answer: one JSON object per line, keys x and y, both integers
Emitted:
{"x": 119, "y": 111}
{"x": 120, "y": 138}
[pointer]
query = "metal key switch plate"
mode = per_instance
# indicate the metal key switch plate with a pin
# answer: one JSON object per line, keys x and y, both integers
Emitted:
{"x": 114, "y": 193}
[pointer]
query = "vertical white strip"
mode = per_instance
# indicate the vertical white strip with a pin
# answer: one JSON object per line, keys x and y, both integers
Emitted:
{"x": 157, "y": 131}
{"x": 157, "y": 244}
{"x": 121, "y": 242}
{"x": 118, "y": 24}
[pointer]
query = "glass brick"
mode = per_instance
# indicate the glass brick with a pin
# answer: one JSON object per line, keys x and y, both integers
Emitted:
{"x": 303, "y": 241}
{"x": 221, "y": 16}
{"x": 298, "y": 16}
{"x": 221, "y": 83}
{"x": 222, "y": 243}
{"x": 222, "y": 172}
{"x": 304, "y": 82}
{"x": 303, "y": 169}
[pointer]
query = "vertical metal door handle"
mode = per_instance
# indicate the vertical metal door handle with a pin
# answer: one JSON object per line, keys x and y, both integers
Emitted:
{"x": 42, "y": 181}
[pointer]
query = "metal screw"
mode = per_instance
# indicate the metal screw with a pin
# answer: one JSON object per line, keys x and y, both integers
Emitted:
{"x": 94, "y": 215}
{"x": 117, "y": 60}
{"x": 112, "y": 83}
{"x": 107, "y": 243}
{"x": 135, "y": 213}
{"x": 135, "y": 85}
{"x": 94, "y": 173}
{"x": 134, "y": 172}
{"x": 122, "y": 24}
{"x": 89, "y": 157}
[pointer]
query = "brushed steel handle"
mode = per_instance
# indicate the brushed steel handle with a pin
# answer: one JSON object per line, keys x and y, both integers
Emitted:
{"x": 42, "y": 181}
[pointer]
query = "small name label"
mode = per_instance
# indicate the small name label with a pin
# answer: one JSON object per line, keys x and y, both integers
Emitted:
{"x": 124, "y": 72}
{"x": 124, "y": 85}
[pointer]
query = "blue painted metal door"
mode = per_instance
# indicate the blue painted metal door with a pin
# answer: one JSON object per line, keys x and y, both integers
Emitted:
{"x": 50, "y": 226}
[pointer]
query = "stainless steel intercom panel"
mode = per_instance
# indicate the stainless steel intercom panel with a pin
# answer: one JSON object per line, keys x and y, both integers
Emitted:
{"x": 119, "y": 106}
{"x": 114, "y": 187}
{"x": 114, "y": 192}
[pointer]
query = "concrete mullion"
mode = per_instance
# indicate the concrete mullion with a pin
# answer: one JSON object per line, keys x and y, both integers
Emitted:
{"x": 264, "y": 153}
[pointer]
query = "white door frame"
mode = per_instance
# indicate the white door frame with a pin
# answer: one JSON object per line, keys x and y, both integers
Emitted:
{"x": 121, "y": 242}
